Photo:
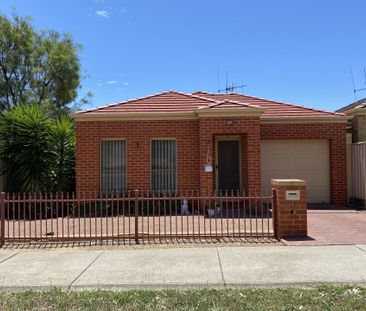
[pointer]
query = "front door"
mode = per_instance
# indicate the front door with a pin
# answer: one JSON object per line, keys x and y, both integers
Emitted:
{"x": 228, "y": 164}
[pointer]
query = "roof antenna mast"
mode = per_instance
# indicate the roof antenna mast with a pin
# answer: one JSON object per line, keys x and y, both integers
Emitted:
{"x": 218, "y": 78}
{"x": 228, "y": 88}
{"x": 353, "y": 82}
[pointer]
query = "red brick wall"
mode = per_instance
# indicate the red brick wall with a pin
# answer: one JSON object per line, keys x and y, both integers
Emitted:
{"x": 248, "y": 128}
{"x": 137, "y": 135}
{"x": 335, "y": 133}
{"x": 193, "y": 139}
{"x": 191, "y": 154}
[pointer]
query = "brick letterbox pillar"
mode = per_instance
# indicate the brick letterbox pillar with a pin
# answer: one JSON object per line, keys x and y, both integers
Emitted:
{"x": 289, "y": 208}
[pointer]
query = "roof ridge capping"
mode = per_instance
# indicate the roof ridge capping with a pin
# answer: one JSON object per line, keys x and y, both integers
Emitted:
{"x": 125, "y": 102}
{"x": 235, "y": 107}
{"x": 219, "y": 103}
{"x": 275, "y": 101}
{"x": 195, "y": 96}
{"x": 145, "y": 97}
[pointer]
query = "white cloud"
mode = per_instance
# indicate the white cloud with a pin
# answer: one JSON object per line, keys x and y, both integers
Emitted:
{"x": 126, "y": 83}
{"x": 100, "y": 84}
{"x": 102, "y": 13}
{"x": 112, "y": 82}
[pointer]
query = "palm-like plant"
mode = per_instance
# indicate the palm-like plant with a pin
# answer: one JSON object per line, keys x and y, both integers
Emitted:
{"x": 38, "y": 152}
{"x": 24, "y": 148}
{"x": 63, "y": 154}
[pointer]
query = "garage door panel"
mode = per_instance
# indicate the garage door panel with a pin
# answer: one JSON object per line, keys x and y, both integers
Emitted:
{"x": 319, "y": 183}
{"x": 296, "y": 161}
{"x": 279, "y": 160}
{"x": 316, "y": 183}
{"x": 321, "y": 161}
{"x": 316, "y": 195}
{"x": 303, "y": 159}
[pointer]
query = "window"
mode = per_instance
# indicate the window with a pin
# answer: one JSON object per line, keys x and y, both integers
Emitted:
{"x": 163, "y": 165}
{"x": 113, "y": 165}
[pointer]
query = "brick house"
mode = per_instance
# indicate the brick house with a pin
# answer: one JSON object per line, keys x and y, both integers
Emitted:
{"x": 208, "y": 142}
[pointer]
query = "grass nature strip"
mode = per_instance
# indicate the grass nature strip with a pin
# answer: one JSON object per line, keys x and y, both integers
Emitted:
{"x": 319, "y": 298}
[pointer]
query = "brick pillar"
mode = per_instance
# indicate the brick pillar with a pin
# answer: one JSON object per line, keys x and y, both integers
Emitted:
{"x": 253, "y": 160}
{"x": 206, "y": 146}
{"x": 289, "y": 208}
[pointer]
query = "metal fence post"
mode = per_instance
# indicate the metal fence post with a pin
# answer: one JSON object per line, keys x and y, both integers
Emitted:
{"x": 275, "y": 214}
{"x": 2, "y": 219}
{"x": 136, "y": 216}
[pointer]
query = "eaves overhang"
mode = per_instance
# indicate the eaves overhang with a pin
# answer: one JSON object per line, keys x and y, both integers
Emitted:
{"x": 197, "y": 113}
{"x": 209, "y": 113}
{"x": 303, "y": 119}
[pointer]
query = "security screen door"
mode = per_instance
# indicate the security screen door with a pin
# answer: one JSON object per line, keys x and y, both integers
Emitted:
{"x": 228, "y": 164}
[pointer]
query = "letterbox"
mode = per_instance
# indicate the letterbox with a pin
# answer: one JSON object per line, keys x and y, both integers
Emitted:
{"x": 292, "y": 195}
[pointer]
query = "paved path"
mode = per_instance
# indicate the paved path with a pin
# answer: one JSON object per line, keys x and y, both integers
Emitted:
{"x": 185, "y": 267}
{"x": 334, "y": 227}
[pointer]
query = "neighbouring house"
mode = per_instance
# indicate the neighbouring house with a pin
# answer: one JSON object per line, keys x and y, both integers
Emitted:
{"x": 356, "y": 153}
{"x": 203, "y": 141}
{"x": 357, "y": 124}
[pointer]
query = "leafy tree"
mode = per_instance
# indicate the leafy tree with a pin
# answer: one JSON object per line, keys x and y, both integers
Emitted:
{"x": 36, "y": 67}
{"x": 38, "y": 151}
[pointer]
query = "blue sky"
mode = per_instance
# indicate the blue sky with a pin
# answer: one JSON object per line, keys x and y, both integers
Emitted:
{"x": 295, "y": 51}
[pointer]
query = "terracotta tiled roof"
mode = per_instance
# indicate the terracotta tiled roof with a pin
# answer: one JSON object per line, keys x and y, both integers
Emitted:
{"x": 173, "y": 101}
{"x": 272, "y": 108}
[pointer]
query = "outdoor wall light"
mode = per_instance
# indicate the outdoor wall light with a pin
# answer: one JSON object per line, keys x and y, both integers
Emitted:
{"x": 229, "y": 122}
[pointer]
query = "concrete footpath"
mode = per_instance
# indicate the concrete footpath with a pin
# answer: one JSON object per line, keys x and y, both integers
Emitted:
{"x": 77, "y": 269}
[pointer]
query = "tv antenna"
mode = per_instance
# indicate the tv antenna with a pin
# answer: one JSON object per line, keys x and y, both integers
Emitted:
{"x": 228, "y": 88}
{"x": 353, "y": 82}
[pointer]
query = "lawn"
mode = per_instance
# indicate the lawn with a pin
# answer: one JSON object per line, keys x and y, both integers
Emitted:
{"x": 319, "y": 298}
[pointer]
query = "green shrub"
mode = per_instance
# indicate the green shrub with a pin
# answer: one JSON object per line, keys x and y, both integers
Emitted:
{"x": 38, "y": 152}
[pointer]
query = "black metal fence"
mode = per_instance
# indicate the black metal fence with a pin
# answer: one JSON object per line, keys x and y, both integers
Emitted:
{"x": 134, "y": 216}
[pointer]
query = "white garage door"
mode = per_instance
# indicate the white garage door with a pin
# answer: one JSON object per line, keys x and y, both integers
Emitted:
{"x": 303, "y": 159}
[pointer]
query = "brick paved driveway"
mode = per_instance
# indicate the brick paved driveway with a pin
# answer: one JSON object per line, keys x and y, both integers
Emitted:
{"x": 334, "y": 227}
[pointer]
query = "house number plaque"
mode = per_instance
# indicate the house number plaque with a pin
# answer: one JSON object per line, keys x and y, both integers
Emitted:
{"x": 293, "y": 195}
